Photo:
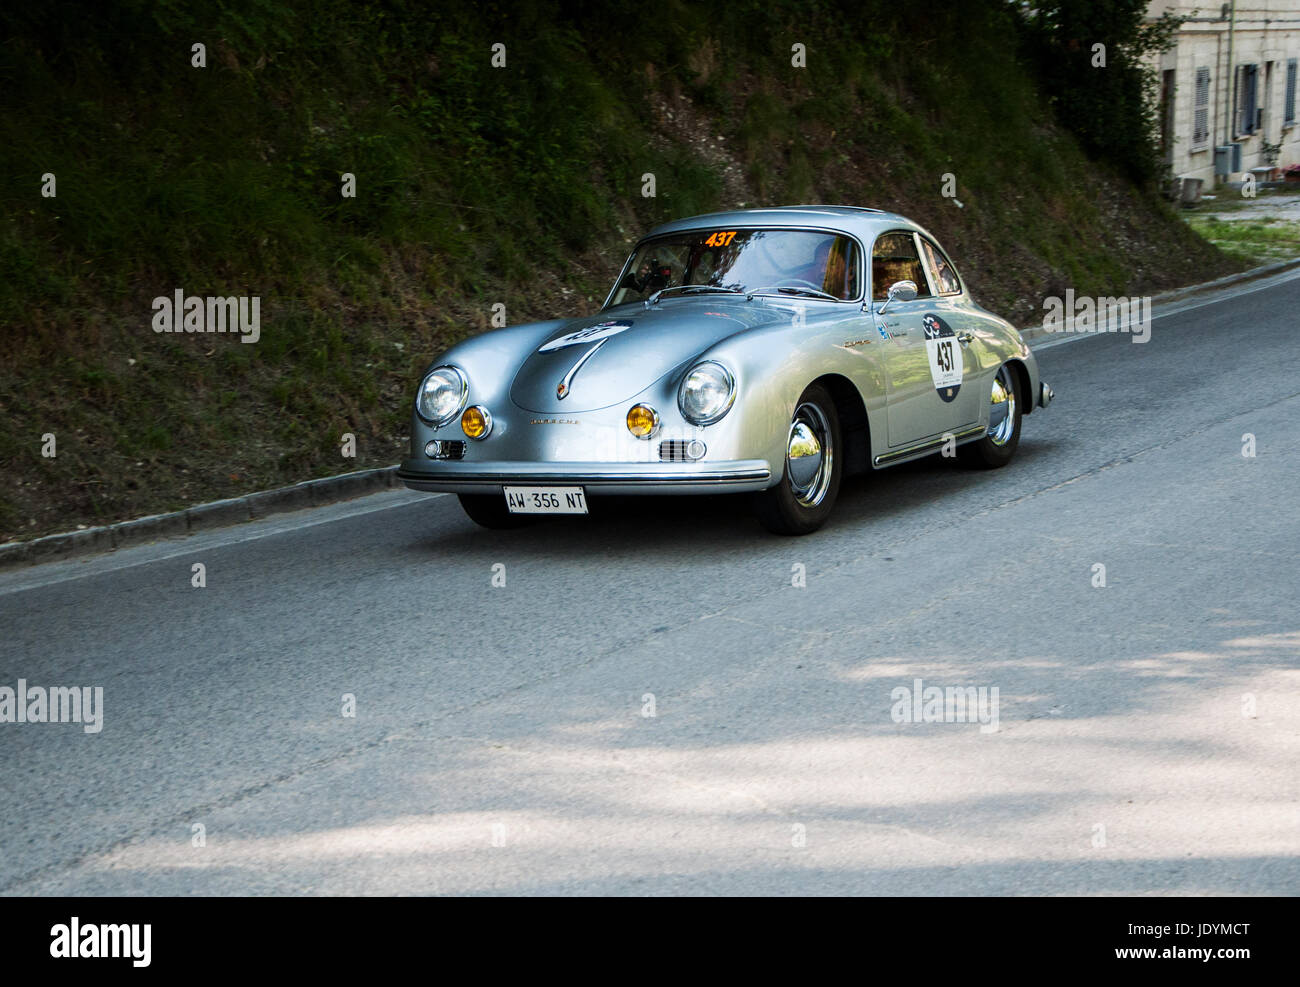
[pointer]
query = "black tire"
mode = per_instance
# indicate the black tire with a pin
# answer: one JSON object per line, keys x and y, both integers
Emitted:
{"x": 996, "y": 448}
{"x": 489, "y": 510}
{"x": 802, "y": 501}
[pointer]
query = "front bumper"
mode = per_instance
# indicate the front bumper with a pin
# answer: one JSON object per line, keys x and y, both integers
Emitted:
{"x": 611, "y": 478}
{"x": 1045, "y": 394}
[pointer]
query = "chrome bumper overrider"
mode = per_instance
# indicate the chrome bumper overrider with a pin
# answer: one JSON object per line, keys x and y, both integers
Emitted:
{"x": 1045, "y": 395}
{"x": 613, "y": 478}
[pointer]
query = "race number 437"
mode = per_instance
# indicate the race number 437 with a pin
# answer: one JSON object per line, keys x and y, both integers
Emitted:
{"x": 945, "y": 361}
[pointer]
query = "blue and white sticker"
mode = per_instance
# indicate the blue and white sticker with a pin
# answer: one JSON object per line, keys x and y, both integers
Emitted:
{"x": 944, "y": 356}
{"x": 592, "y": 334}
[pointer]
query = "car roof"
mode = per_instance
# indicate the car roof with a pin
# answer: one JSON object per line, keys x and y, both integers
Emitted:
{"x": 860, "y": 220}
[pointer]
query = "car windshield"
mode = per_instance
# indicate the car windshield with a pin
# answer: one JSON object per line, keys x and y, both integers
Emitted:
{"x": 780, "y": 261}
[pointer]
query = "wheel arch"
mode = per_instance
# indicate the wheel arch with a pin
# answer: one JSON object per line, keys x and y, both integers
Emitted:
{"x": 855, "y": 428}
{"x": 1026, "y": 385}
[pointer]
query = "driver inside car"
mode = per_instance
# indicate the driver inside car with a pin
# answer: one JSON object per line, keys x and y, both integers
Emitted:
{"x": 832, "y": 269}
{"x": 650, "y": 276}
{"x": 815, "y": 273}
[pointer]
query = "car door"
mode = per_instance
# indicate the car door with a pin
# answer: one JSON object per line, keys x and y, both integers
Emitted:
{"x": 951, "y": 342}
{"x": 925, "y": 357}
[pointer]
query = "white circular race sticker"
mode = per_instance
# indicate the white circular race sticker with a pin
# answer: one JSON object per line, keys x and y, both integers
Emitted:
{"x": 592, "y": 334}
{"x": 944, "y": 356}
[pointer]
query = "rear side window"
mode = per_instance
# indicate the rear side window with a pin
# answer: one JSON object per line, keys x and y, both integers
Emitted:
{"x": 894, "y": 258}
{"x": 945, "y": 278}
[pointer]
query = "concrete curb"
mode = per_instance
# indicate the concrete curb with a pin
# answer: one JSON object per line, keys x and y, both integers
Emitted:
{"x": 203, "y": 517}
{"x": 1033, "y": 334}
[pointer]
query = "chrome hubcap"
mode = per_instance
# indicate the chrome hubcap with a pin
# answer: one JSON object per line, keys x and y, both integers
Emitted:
{"x": 1002, "y": 412}
{"x": 808, "y": 455}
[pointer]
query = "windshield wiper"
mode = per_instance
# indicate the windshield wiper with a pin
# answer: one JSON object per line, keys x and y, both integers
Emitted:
{"x": 791, "y": 290}
{"x": 653, "y": 299}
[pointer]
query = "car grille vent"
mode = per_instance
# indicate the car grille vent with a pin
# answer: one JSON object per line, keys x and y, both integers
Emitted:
{"x": 445, "y": 449}
{"x": 680, "y": 450}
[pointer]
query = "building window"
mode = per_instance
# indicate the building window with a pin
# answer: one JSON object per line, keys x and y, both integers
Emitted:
{"x": 1290, "y": 91}
{"x": 1201, "y": 111}
{"x": 1247, "y": 99}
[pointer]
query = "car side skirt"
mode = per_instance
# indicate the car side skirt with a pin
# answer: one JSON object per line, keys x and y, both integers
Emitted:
{"x": 929, "y": 446}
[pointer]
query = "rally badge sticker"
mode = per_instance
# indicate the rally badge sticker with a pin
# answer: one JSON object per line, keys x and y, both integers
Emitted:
{"x": 944, "y": 357}
{"x": 592, "y": 334}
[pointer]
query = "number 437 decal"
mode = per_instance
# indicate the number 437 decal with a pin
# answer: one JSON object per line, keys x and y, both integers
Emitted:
{"x": 721, "y": 239}
{"x": 945, "y": 358}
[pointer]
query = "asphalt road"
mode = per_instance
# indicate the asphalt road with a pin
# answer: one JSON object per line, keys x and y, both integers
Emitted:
{"x": 1148, "y": 736}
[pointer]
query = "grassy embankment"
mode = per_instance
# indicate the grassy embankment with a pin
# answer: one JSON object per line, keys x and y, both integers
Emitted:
{"x": 475, "y": 185}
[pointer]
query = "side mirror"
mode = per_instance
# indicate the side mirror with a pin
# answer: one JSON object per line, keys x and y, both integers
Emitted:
{"x": 904, "y": 291}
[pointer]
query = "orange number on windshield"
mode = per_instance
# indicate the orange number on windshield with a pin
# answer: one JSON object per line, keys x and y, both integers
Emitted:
{"x": 720, "y": 239}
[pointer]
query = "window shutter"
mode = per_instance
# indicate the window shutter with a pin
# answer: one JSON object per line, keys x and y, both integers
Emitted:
{"x": 1201, "y": 111}
{"x": 1290, "y": 90}
{"x": 1252, "y": 77}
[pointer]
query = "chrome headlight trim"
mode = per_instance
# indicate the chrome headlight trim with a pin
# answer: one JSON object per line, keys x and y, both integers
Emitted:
{"x": 455, "y": 379}
{"x": 725, "y": 376}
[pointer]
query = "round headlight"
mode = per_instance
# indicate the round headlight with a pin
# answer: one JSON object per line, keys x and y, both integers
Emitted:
{"x": 442, "y": 395}
{"x": 642, "y": 421}
{"x": 476, "y": 422}
{"x": 707, "y": 393}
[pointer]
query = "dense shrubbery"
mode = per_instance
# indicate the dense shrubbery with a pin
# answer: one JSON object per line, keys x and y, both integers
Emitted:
{"x": 1105, "y": 95}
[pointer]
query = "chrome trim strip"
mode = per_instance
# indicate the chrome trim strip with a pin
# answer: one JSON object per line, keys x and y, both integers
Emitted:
{"x": 925, "y": 264}
{"x": 715, "y": 476}
{"x": 927, "y": 446}
{"x": 562, "y": 391}
{"x": 466, "y": 476}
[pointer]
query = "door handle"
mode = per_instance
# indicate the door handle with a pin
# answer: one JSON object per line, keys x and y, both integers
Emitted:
{"x": 965, "y": 337}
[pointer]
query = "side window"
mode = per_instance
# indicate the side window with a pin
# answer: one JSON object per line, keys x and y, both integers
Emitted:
{"x": 841, "y": 278}
{"x": 894, "y": 258}
{"x": 945, "y": 278}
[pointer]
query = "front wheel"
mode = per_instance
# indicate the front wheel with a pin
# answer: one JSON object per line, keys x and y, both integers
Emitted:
{"x": 802, "y": 501}
{"x": 999, "y": 443}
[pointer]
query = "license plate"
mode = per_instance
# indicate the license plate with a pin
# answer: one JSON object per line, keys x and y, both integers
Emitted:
{"x": 545, "y": 500}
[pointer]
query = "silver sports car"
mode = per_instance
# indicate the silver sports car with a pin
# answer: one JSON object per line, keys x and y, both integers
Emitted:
{"x": 755, "y": 350}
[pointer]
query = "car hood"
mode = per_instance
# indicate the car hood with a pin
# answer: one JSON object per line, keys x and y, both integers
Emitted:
{"x": 607, "y": 358}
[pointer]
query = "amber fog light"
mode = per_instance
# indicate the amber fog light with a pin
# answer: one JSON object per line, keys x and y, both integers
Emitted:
{"x": 476, "y": 422}
{"x": 642, "y": 421}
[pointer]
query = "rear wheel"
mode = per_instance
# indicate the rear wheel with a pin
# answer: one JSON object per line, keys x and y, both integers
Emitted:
{"x": 999, "y": 443}
{"x": 803, "y": 500}
{"x": 490, "y": 511}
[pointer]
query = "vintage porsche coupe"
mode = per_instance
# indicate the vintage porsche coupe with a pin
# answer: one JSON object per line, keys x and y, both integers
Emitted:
{"x": 765, "y": 350}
